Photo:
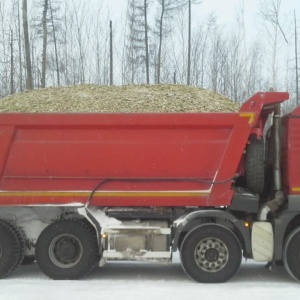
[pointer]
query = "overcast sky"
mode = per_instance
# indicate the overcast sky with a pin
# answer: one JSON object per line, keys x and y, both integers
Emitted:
{"x": 225, "y": 10}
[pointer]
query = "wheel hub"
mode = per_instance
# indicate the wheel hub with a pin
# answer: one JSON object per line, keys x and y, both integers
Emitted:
{"x": 65, "y": 251}
{"x": 211, "y": 255}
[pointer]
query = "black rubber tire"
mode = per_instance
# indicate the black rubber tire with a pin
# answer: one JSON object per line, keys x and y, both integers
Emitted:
{"x": 67, "y": 249}
{"x": 9, "y": 249}
{"x": 291, "y": 254}
{"x": 211, "y": 253}
{"x": 21, "y": 239}
{"x": 255, "y": 166}
{"x": 22, "y": 243}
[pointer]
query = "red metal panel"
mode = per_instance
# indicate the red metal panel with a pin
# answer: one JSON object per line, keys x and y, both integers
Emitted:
{"x": 6, "y": 136}
{"x": 179, "y": 155}
{"x": 291, "y": 152}
{"x": 116, "y": 152}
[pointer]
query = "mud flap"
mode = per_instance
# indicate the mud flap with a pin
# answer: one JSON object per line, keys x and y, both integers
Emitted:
{"x": 262, "y": 240}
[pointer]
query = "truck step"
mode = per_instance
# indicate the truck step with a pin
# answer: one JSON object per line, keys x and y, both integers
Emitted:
{"x": 161, "y": 256}
{"x": 135, "y": 230}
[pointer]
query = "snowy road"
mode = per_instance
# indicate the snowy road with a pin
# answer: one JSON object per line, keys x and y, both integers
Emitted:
{"x": 122, "y": 281}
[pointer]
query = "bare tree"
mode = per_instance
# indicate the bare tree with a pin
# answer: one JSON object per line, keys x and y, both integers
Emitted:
{"x": 237, "y": 58}
{"x": 100, "y": 46}
{"x": 146, "y": 41}
{"x": 218, "y": 49}
{"x": 111, "y": 81}
{"x": 189, "y": 44}
{"x": 270, "y": 12}
{"x": 54, "y": 29}
{"x": 166, "y": 46}
{"x": 67, "y": 25}
{"x": 19, "y": 46}
{"x": 203, "y": 50}
{"x": 29, "y": 79}
{"x": 166, "y": 12}
{"x": 4, "y": 53}
{"x": 190, "y": 39}
{"x": 82, "y": 32}
{"x": 253, "y": 75}
{"x": 12, "y": 86}
{"x": 296, "y": 60}
{"x": 45, "y": 35}
{"x": 135, "y": 45}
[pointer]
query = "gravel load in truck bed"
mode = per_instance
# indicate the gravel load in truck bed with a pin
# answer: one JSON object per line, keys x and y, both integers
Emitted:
{"x": 130, "y": 98}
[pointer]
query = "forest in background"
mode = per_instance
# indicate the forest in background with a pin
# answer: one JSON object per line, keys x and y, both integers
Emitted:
{"x": 57, "y": 43}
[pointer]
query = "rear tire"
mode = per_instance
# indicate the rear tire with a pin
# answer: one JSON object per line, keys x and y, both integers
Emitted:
{"x": 9, "y": 249}
{"x": 67, "y": 249}
{"x": 255, "y": 165}
{"x": 211, "y": 253}
{"x": 21, "y": 239}
{"x": 291, "y": 254}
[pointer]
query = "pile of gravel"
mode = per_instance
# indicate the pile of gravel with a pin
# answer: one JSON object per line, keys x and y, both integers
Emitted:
{"x": 131, "y": 98}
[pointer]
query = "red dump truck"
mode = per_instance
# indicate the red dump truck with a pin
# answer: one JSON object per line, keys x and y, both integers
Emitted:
{"x": 78, "y": 190}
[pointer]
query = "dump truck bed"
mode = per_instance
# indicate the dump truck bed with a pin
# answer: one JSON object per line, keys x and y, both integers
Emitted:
{"x": 150, "y": 159}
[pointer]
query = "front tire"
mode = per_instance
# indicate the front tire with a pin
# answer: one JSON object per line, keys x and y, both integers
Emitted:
{"x": 211, "y": 253}
{"x": 67, "y": 249}
{"x": 291, "y": 254}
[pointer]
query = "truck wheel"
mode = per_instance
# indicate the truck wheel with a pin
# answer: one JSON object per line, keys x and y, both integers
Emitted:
{"x": 67, "y": 249}
{"x": 21, "y": 240}
{"x": 211, "y": 254}
{"x": 291, "y": 254}
{"x": 9, "y": 249}
{"x": 255, "y": 166}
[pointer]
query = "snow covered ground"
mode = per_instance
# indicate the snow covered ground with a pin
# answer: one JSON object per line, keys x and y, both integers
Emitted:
{"x": 126, "y": 280}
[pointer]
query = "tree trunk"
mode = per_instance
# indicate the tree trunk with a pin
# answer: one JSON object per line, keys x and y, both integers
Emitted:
{"x": 55, "y": 45}
{"x": 146, "y": 42}
{"x": 160, "y": 40}
{"x": 296, "y": 58}
{"x": 20, "y": 50}
{"x": 29, "y": 80}
{"x": 44, "y": 55}
{"x": 12, "y": 87}
{"x": 189, "y": 46}
{"x": 111, "y": 54}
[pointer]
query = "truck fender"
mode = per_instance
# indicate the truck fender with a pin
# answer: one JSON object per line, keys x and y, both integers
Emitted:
{"x": 183, "y": 224}
{"x": 83, "y": 211}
